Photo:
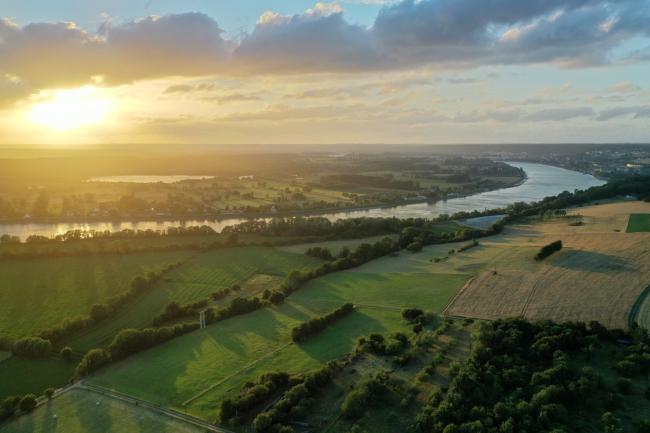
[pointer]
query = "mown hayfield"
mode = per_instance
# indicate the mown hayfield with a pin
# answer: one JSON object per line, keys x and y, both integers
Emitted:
{"x": 199, "y": 277}
{"x": 597, "y": 276}
{"x": 82, "y": 411}
{"x": 19, "y": 375}
{"x": 39, "y": 293}
{"x": 639, "y": 223}
{"x": 195, "y": 371}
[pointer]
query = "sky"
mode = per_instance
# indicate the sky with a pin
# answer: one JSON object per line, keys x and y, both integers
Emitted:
{"x": 84, "y": 72}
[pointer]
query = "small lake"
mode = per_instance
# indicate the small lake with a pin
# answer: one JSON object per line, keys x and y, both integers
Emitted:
{"x": 542, "y": 181}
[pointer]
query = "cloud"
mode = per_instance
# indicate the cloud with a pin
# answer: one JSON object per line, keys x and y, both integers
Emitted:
{"x": 11, "y": 90}
{"x": 558, "y": 114}
{"x": 405, "y": 35}
{"x": 637, "y": 112}
{"x": 62, "y": 54}
{"x": 623, "y": 87}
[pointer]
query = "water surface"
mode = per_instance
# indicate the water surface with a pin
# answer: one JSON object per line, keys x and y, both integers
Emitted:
{"x": 542, "y": 181}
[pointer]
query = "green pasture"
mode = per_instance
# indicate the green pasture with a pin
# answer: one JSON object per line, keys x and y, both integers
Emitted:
{"x": 195, "y": 371}
{"x": 83, "y": 411}
{"x": 638, "y": 222}
{"x": 199, "y": 277}
{"x": 39, "y": 293}
{"x": 20, "y": 375}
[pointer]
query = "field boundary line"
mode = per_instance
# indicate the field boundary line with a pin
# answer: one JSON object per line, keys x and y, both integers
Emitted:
{"x": 227, "y": 378}
{"x": 457, "y": 295}
{"x": 153, "y": 407}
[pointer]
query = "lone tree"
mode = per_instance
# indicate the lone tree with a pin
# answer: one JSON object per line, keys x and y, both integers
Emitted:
{"x": 27, "y": 403}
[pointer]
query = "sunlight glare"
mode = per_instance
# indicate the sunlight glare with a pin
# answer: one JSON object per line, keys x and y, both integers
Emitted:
{"x": 70, "y": 109}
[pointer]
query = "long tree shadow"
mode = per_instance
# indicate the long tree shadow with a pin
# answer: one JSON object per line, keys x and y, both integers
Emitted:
{"x": 340, "y": 337}
{"x": 589, "y": 261}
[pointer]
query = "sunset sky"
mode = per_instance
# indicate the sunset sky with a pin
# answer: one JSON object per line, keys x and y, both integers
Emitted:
{"x": 78, "y": 72}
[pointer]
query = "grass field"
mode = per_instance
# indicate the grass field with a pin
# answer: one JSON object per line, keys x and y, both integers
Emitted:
{"x": 39, "y": 293}
{"x": 639, "y": 223}
{"x": 82, "y": 411}
{"x": 19, "y": 375}
{"x": 4, "y": 355}
{"x": 598, "y": 275}
{"x": 195, "y": 280}
{"x": 200, "y": 368}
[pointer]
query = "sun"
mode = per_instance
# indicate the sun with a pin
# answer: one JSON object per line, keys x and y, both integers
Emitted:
{"x": 65, "y": 110}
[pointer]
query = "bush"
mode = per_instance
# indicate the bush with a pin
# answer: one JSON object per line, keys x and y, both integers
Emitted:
{"x": 27, "y": 403}
{"x": 33, "y": 347}
{"x": 624, "y": 385}
{"x": 547, "y": 250}
{"x": 354, "y": 405}
{"x": 93, "y": 360}
{"x": 412, "y": 314}
{"x": 415, "y": 246}
{"x": 320, "y": 253}
{"x": 66, "y": 353}
{"x": 262, "y": 422}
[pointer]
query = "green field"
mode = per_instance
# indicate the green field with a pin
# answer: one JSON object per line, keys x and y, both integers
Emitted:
{"x": 39, "y": 293}
{"x": 638, "y": 222}
{"x": 19, "y": 375}
{"x": 82, "y": 411}
{"x": 200, "y": 368}
{"x": 195, "y": 280}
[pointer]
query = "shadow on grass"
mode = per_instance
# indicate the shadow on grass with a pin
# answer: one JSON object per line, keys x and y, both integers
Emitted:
{"x": 340, "y": 337}
{"x": 588, "y": 261}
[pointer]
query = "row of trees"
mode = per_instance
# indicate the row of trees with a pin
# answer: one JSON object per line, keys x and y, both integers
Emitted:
{"x": 318, "y": 324}
{"x": 253, "y": 395}
{"x": 296, "y": 400}
{"x": 100, "y": 312}
{"x": 128, "y": 342}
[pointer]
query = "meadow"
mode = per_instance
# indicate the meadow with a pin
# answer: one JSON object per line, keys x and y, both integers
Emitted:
{"x": 639, "y": 223}
{"x": 20, "y": 375}
{"x": 254, "y": 268}
{"x": 195, "y": 371}
{"x": 36, "y": 294}
{"x": 82, "y": 411}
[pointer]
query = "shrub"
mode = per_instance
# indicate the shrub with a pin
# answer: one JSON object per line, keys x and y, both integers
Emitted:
{"x": 93, "y": 360}
{"x": 262, "y": 422}
{"x": 624, "y": 385}
{"x": 33, "y": 347}
{"x": 27, "y": 403}
{"x": 354, "y": 405}
{"x": 66, "y": 353}
{"x": 412, "y": 314}
{"x": 547, "y": 250}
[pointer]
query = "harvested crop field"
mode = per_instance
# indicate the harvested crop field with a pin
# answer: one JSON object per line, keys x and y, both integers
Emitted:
{"x": 598, "y": 275}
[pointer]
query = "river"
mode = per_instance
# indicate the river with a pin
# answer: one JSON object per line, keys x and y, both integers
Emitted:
{"x": 542, "y": 181}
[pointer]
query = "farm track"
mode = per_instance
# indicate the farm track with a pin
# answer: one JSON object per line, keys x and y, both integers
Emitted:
{"x": 153, "y": 407}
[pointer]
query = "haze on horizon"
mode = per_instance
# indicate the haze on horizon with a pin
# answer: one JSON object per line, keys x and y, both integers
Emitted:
{"x": 349, "y": 71}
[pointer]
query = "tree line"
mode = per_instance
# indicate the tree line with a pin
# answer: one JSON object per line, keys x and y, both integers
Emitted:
{"x": 100, "y": 312}
{"x": 312, "y": 327}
